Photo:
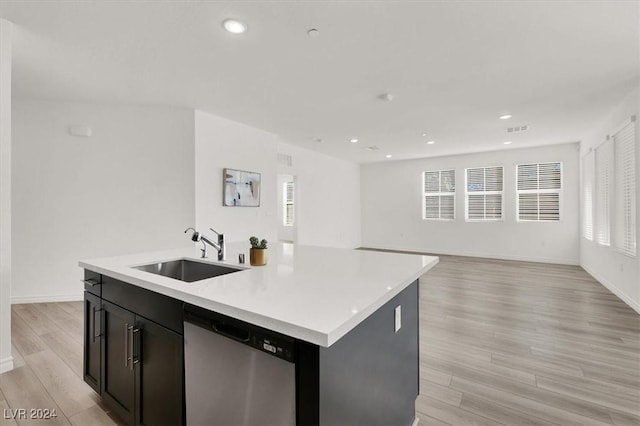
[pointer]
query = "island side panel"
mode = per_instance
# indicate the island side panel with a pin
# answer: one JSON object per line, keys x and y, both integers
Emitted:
{"x": 371, "y": 375}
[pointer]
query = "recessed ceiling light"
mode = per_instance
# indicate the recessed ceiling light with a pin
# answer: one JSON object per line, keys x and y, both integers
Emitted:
{"x": 424, "y": 134}
{"x": 234, "y": 27}
{"x": 507, "y": 142}
{"x": 505, "y": 117}
{"x": 313, "y": 32}
{"x": 387, "y": 97}
{"x": 353, "y": 140}
{"x": 388, "y": 156}
{"x": 430, "y": 142}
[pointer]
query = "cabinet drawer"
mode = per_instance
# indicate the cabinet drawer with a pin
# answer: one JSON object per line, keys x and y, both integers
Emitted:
{"x": 93, "y": 282}
{"x": 159, "y": 308}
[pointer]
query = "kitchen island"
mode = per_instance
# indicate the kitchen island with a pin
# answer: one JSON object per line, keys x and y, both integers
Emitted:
{"x": 351, "y": 317}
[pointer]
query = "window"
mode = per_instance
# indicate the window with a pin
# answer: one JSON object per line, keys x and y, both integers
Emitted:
{"x": 588, "y": 185}
{"x": 538, "y": 190}
{"x": 484, "y": 193}
{"x": 604, "y": 164}
{"x": 288, "y": 190}
{"x": 439, "y": 195}
{"x": 625, "y": 189}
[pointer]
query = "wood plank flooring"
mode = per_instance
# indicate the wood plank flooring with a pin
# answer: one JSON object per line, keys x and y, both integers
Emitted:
{"x": 47, "y": 351}
{"x": 519, "y": 343}
{"x": 501, "y": 343}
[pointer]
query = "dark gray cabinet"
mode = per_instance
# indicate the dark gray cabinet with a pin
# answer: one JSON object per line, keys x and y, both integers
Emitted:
{"x": 93, "y": 341}
{"x": 118, "y": 368}
{"x": 134, "y": 362}
{"x": 160, "y": 375}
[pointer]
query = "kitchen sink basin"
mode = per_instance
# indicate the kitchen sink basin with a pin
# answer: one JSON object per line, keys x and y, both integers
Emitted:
{"x": 186, "y": 270}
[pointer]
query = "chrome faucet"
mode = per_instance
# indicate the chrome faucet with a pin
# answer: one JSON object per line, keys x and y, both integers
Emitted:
{"x": 199, "y": 237}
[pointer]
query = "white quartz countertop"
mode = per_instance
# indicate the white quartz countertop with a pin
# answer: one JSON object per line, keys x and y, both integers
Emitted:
{"x": 316, "y": 294}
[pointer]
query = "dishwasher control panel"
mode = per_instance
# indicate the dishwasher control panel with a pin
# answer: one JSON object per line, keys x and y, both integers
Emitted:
{"x": 257, "y": 337}
{"x": 282, "y": 348}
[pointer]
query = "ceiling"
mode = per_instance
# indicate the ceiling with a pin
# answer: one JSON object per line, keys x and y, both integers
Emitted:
{"x": 452, "y": 67}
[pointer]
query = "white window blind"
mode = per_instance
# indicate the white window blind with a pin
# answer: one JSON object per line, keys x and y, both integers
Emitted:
{"x": 484, "y": 193}
{"x": 288, "y": 190}
{"x": 604, "y": 163}
{"x": 625, "y": 189}
{"x": 439, "y": 195}
{"x": 538, "y": 191}
{"x": 588, "y": 179}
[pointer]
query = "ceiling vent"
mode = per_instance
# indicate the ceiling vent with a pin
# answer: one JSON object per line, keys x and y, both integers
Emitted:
{"x": 285, "y": 160}
{"x": 518, "y": 129}
{"x": 372, "y": 148}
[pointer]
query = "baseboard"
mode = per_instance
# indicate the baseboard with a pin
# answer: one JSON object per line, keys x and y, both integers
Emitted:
{"x": 6, "y": 364}
{"x": 573, "y": 262}
{"x": 615, "y": 290}
{"x": 45, "y": 299}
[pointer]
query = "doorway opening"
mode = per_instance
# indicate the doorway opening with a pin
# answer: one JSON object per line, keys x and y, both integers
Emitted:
{"x": 287, "y": 220}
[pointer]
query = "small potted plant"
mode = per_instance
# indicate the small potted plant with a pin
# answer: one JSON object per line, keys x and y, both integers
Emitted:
{"x": 258, "y": 252}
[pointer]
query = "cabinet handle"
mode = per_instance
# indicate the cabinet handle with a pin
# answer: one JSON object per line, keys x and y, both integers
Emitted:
{"x": 93, "y": 328}
{"x": 94, "y": 335}
{"x": 135, "y": 341}
{"x": 126, "y": 344}
{"x": 90, "y": 282}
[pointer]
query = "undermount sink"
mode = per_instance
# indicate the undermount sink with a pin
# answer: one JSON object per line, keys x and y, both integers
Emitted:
{"x": 186, "y": 270}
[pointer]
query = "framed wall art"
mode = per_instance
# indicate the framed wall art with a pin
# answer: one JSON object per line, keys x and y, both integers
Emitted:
{"x": 241, "y": 188}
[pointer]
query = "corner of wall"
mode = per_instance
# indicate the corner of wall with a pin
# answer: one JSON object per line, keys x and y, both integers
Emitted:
{"x": 6, "y": 360}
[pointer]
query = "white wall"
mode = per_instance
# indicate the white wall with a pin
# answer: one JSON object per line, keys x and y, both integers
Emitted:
{"x": 127, "y": 188}
{"x": 327, "y": 198}
{"x": 618, "y": 272}
{"x": 327, "y": 189}
{"x": 6, "y": 360}
{"x": 392, "y": 209}
{"x": 219, "y": 144}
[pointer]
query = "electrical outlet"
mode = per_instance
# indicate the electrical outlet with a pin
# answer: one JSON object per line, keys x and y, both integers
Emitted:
{"x": 398, "y": 318}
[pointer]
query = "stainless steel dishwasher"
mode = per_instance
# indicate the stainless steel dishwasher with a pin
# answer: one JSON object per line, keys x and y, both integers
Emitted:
{"x": 236, "y": 373}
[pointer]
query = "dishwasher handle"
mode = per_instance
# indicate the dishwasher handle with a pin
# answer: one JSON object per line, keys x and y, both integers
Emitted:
{"x": 231, "y": 331}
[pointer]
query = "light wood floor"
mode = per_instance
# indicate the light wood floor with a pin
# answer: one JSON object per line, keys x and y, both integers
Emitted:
{"x": 515, "y": 343}
{"x": 47, "y": 351}
{"x": 501, "y": 342}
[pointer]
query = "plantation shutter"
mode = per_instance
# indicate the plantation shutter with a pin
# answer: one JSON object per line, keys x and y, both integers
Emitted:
{"x": 288, "y": 203}
{"x": 484, "y": 193}
{"x": 588, "y": 179}
{"x": 439, "y": 194}
{"x": 538, "y": 189}
{"x": 625, "y": 189}
{"x": 604, "y": 159}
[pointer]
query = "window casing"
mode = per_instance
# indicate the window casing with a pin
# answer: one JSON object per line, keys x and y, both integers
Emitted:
{"x": 538, "y": 192}
{"x": 484, "y": 193}
{"x": 624, "y": 177}
{"x": 288, "y": 195}
{"x": 439, "y": 188}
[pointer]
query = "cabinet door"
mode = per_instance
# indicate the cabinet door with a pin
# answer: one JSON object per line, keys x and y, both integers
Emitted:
{"x": 160, "y": 375}
{"x": 118, "y": 375}
{"x": 92, "y": 341}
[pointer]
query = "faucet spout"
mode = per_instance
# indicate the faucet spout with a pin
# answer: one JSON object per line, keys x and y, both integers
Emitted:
{"x": 219, "y": 245}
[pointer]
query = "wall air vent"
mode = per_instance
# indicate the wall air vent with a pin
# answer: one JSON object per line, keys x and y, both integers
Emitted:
{"x": 517, "y": 129}
{"x": 285, "y": 160}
